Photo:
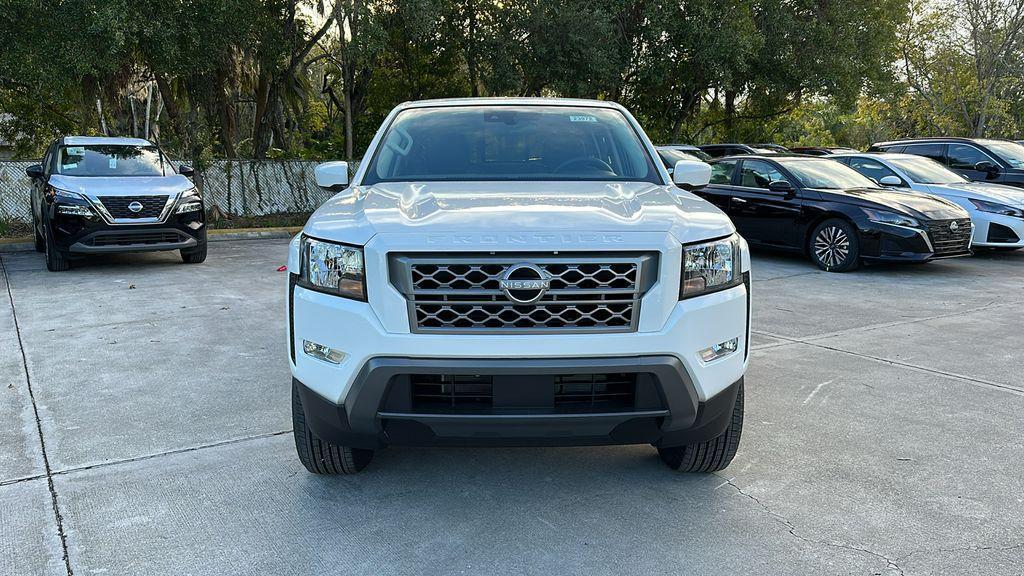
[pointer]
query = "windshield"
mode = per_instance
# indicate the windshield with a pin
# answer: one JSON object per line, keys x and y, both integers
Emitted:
{"x": 926, "y": 171}
{"x": 511, "y": 143}
{"x": 110, "y": 160}
{"x": 671, "y": 156}
{"x": 1011, "y": 152}
{"x": 824, "y": 173}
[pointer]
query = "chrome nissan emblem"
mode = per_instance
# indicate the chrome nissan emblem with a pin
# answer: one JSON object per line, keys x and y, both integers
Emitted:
{"x": 953, "y": 226}
{"x": 524, "y": 283}
{"x": 135, "y": 207}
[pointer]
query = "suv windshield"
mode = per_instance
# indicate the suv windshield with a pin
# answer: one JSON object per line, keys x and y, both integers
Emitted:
{"x": 926, "y": 171}
{"x": 511, "y": 143}
{"x": 110, "y": 160}
{"x": 1011, "y": 152}
{"x": 825, "y": 173}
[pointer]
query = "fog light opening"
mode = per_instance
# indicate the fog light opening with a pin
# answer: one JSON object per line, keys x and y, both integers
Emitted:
{"x": 720, "y": 350}
{"x": 321, "y": 352}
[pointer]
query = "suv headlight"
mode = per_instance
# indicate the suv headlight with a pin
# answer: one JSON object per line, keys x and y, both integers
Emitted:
{"x": 883, "y": 217}
{"x": 710, "y": 267}
{"x": 997, "y": 208}
{"x": 333, "y": 268}
{"x": 190, "y": 201}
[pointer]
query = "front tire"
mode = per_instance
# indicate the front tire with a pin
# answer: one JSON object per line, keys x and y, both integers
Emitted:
{"x": 318, "y": 455}
{"x": 834, "y": 246}
{"x": 195, "y": 255}
{"x": 56, "y": 261}
{"x": 712, "y": 455}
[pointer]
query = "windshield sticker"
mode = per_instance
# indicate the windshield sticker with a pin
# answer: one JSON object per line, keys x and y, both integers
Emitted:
{"x": 112, "y": 162}
{"x": 577, "y": 118}
{"x": 75, "y": 150}
{"x": 69, "y": 166}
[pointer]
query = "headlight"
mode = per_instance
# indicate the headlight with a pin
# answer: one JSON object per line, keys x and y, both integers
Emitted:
{"x": 883, "y": 217}
{"x": 710, "y": 267}
{"x": 52, "y": 193}
{"x": 190, "y": 201}
{"x": 997, "y": 208}
{"x": 333, "y": 268}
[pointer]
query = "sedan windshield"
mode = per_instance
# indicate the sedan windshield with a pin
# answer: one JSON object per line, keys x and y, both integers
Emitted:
{"x": 825, "y": 173}
{"x": 110, "y": 160}
{"x": 1011, "y": 152}
{"x": 926, "y": 171}
{"x": 511, "y": 143}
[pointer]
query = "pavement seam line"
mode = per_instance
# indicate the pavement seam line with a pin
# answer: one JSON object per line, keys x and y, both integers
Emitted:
{"x": 950, "y": 375}
{"x": 39, "y": 427}
{"x": 791, "y": 528}
{"x": 168, "y": 453}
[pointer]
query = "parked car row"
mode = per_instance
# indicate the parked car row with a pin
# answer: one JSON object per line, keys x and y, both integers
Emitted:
{"x": 911, "y": 200}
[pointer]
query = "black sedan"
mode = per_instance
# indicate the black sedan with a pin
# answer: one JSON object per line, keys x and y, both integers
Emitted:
{"x": 831, "y": 213}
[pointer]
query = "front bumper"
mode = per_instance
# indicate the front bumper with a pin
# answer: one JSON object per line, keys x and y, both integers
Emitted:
{"x": 78, "y": 235}
{"x": 998, "y": 230}
{"x": 891, "y": 243}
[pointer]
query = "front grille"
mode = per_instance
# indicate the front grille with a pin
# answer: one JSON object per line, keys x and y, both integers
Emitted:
{"x": 947, "y": 241}
{"x": 463, "y": 292}
{"x": 117, "y": 206}
{"x": 596, "y": 392}
{"x": 122, "y": 239}
{"x": 446, "y": 393}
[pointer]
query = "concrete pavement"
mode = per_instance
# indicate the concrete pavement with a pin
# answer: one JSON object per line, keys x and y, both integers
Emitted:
{"x": 882, "y": 437}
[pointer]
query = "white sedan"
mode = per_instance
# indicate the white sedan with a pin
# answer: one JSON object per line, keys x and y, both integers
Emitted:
{"x": 996, "y": 210}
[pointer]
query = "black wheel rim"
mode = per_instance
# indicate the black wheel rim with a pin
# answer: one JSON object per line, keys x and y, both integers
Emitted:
{"x": 832, "y": 246}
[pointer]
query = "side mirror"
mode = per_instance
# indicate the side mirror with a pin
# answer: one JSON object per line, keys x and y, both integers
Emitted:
{"x": 781, "y": 186}
{"x": 331, "y": 175}
{"x": 691, "y": 174}
{"x": 186, "y": 171}
{"x": 890, "y": 180}
{"x": 987, "y": 167}
{"x": 34, "y": 171}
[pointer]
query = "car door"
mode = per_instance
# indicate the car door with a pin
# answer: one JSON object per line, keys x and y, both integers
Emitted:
{"x": 963, "y": 159}
{"x": 764, "y": 216}
{"x": 719, "y": 191}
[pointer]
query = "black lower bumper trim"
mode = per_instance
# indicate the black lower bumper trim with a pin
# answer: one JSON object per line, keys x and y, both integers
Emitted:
{"x": 135, "y": 240}
{"x": 364, "y": 422}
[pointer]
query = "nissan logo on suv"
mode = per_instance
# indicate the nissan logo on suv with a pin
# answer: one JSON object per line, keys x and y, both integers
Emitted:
{"x": 135, "y": 207}
{"x": 524, "y": 283}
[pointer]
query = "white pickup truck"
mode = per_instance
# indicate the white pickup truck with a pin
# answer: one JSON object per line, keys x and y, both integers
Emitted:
{"x": 516, "y": 272}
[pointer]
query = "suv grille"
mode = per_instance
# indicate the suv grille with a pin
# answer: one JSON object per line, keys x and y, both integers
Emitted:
{"x": 130, "y": 239}
{"x": 947, "y": 241}
{"x": 464, "y": 293}
{"x": 117, "y": 206}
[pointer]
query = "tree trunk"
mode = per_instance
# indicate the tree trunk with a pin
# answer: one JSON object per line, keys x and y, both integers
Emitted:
{"x": 730, "y": 115}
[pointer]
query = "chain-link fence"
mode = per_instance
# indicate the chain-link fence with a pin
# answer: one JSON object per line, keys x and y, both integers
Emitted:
{"x": 240, "y": 187}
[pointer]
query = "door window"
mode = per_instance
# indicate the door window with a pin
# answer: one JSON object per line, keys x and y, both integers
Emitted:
{"x": 871, "y": 168}
{"x": 933, "y": 151}
{"x": 758, "y": 174}
{"x": 965, "y": 157}
{"x": 721, "y": 172}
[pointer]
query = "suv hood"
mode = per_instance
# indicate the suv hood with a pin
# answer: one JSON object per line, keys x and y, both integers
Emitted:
{"x": 981, "y": 191}
{"x": 916, "y": 204}
{"x": 122, "y": 185}
{"x": 356, "y": 214}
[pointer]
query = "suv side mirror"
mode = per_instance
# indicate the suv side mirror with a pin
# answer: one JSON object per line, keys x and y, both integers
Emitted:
{"x": 331, "y": 175}
{"x": 987, "y": 167}
{"x": 34, "y": 171}
{"x": 186, "y": 171}
{"x": 890, "y": 180}
{"x": 691, "y": 174}
{"x": 781, "y": 186}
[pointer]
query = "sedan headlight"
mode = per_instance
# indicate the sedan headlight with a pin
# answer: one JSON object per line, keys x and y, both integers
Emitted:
{"x": 894, "y": 218}
{"x": 997, "y": 208}
{"x": 333, "y": 268}
{"x": 710, "y": 267}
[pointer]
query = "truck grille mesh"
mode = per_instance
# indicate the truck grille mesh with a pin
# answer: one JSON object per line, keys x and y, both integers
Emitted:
{"x": 464, "y": 293}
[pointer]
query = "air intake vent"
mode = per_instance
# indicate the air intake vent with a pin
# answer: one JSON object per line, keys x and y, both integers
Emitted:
{"x": 595, "y": 392}
{"x": 451, "y": 393}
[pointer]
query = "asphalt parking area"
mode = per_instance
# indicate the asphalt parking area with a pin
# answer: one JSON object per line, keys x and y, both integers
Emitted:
{"x": 883, "y": 436}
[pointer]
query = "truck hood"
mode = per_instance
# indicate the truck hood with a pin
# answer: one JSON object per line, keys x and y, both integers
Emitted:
{"x": 358, "y": 213}
{"x": 914, "y": 204}
{"x": 122, "y": 185}
{"x": 981, "y": 191}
